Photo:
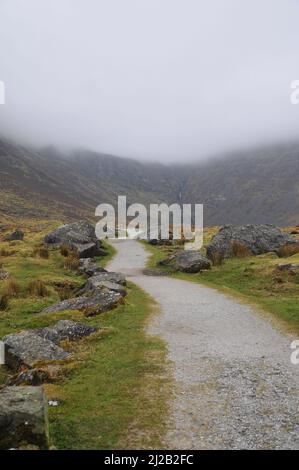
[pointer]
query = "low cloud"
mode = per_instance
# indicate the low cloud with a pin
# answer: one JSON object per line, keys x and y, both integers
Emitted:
{"x": 166, "y": 80}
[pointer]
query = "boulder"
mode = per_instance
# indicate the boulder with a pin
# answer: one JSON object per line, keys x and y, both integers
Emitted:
{"x": 93, "y": 304}
{"x": 23, "y": 418}
{"x": 95, "y": 282}
{"x": 257, "y": 239}
{"x": 113, "y": 286}
{"x": 16, "y": 235}
{"x": 65, "y": 330}
{"x": 188, "y": 261}
{"x": 89, "y": 268}
{"x": 27, "y": 349}
{"x": 79, "y": 237}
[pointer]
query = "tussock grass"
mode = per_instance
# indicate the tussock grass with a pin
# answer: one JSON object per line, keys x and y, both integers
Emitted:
{"x": 41, "y": 252}
{"x": 37, "y": 288}
{"x": 288, "y": 250}
{"x": 11, "y": 288}
{"x": 71, "y": 262}
{"x": 64, "y": 250}
{"x": 239, "y": 250}
{"x": 217, "y": 258}
{"x": 4, "y": 301}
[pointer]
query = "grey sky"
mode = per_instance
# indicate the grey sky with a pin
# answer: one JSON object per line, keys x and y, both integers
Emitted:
{"x": 162, "y": 79}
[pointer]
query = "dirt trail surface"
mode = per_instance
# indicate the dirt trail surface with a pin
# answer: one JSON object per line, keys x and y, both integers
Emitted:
{"x": 235, "y": 386}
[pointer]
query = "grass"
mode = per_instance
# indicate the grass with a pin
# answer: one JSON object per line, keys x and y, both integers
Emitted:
{"x": 114, "y": 393}
{"x": 117, "y": 398}
{"x": 253, "y": 279}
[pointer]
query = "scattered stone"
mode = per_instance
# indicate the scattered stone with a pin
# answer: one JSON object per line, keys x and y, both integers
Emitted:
{"x": 188, "y": 261}
{"x": 27, "y": 349}
{"x": 154, "y": 272}
{"x": 93, "y": 304}
{"x": 16, "y": 235}
{"x": 257, "y": 239}
{"x": 79, "y": 237}
{"x": 65, "y": 330}
{"x": 23, "y": 417}
{"x": 89, "y": 268}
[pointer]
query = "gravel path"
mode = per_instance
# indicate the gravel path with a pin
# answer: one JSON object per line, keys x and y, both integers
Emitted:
{"x": 235, "y": 386}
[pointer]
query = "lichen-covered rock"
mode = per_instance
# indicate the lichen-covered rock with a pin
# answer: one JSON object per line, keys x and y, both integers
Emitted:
{"x": 95, "y": 282}
{"x": 257, "y": 239}
{"x": 93, "y": 304}
{"x": 23, "y": 417}
{"x": 113, "y": 286}
{"x": 79, "y": 237}
{"x": 89, "y": 268}
{"x": 27, "y": 349}
{"x": 65, "y": 330}
{"x": 188, "y": 261}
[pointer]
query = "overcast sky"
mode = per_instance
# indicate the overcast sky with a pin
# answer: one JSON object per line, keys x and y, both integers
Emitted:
{"x": 162, "y": 79}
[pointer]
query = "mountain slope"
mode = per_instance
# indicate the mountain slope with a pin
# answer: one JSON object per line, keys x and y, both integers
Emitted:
{"x": 260, "y": 186}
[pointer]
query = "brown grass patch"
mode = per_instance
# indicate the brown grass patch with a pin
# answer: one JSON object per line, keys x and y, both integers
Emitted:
{"x": 64, "y": 250}
{"x": 41, "y": 252}
{"x": 217, "y": 258}
{"x": 11, "y": 289}
{"x": 37, "y": 288}
{"x": 288, "y": 250}
{"x": 239, "y": 250}
{"x": 72, "y": 262}
{"x": 3, "y": 302}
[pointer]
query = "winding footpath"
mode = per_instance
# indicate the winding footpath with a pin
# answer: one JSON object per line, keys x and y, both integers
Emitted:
{"x": 235, "y": 386}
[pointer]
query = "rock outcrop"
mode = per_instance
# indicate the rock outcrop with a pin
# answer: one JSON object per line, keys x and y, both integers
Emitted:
{"x": 257, "y": 239}
{"x": 79, "y": 237}
{"x": 23, "y": 418}
{"x": 96, "y": 282}
{"x": 188, "y": 261}
{"x": 65, "y": 330}
{"x": 27, "y": 349}
{"x": 88, "y": 267}
{"x": 111, "y": 286}
{"x": 93, "y": 304}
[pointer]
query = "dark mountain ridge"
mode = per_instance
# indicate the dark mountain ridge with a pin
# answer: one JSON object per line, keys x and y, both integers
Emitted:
{"x": 256, "y": 186}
